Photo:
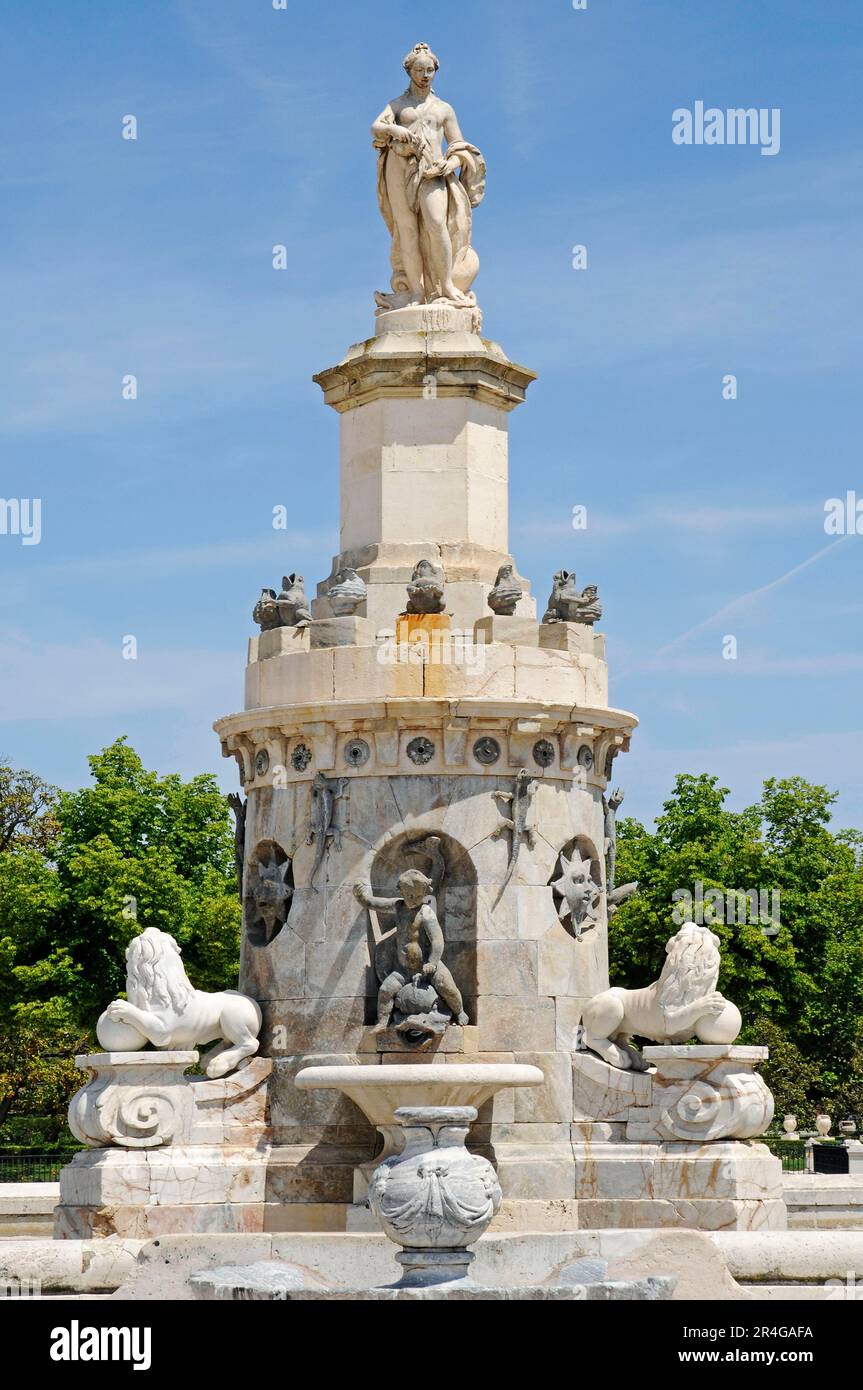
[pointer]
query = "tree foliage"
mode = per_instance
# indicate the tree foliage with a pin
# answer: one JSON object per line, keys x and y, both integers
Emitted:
{"x": 81, "y": 874}
{"x": 800, "y": 988}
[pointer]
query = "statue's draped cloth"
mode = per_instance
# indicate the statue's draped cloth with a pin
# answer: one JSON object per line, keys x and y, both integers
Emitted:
{"x": 465, "y": 189}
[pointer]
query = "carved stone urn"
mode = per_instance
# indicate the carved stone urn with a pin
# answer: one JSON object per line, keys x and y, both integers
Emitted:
{"x": 434, "y": 1199}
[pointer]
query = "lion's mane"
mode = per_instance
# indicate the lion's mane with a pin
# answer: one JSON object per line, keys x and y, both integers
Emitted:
{"x": 155, "y": 978}
{"x": 691, "y": 967}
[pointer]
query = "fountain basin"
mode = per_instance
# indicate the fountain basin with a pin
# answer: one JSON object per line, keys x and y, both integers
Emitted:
{"x": 380, "y": 1091}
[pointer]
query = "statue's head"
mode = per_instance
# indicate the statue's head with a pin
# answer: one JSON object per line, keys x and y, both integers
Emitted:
{"x": 414, "y": 887}
{"x": 691, "y": 966}
{"x": 155, "y": 978}
{"x": 421, "y": 65}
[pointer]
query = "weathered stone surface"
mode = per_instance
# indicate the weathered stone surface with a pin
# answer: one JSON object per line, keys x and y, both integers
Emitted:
{"x": 600, "y": 1092}
{"x": 574, "y": 638}
{"x": 548, "y": 676}
{"x": 292, "y": 1109}
{"x": 341, "y": 632}
{"x": 280, "y": 641}
{"x": 507, "y": 968}
{"x": 323, "y": 1024}
{"x": 273, "y": 1282}
{"x": 515, "y": 631}
{"x": 507, "y": 1023}
{"x": 551, "y": 1102}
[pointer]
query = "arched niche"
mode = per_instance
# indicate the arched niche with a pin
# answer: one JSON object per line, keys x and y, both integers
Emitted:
{"x": 268, "y": 890}
{"x": 452, "y": 871}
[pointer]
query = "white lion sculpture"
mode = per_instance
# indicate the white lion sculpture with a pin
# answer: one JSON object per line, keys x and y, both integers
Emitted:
{"x": 163, "y": 1009}
{"x": 682, "y": 1002}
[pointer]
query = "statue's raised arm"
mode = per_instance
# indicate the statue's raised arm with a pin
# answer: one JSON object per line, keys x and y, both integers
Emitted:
{"x": 429, "y": 181}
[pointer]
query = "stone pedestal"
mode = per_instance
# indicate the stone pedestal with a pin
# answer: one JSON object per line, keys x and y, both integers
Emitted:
{"x": 576, "y": 638}
{"x": 167, "y": 1152}
{"x": 408, "y": 739}
{"x": 674, "y": 1146}
{"x": 423, "y": 410}
{"x": 342, "y": 632}
{"x": 515, "y": 631}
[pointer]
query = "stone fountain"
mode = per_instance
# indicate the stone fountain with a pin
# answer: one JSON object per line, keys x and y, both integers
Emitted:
{"x": 426, "y": 849}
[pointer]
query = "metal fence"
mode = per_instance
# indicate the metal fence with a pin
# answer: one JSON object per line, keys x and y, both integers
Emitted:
{"x": 33, "y": 1167}
{"x": 793, "y": 1153}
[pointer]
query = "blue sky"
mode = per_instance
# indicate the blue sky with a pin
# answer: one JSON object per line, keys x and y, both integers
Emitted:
{"x": 153, "y": 257}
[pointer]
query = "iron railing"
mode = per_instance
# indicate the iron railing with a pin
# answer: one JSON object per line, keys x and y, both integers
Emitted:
{"x": 34, "y": 1167}
{"x": 792, "y": 1153}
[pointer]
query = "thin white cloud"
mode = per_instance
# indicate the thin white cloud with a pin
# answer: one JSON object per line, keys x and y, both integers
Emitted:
{"x": 832, "y": 759}
{"x": 167, "y": 560}
{"x": 64, "y": 681}
{"x": 748, "y": 599}
{"x": 680, "y": 516}
{"x": 749, "y": 664}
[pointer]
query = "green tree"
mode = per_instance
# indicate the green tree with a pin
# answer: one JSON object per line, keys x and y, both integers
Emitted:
{"x": 137, "y": 850}
{"x": 27, "y": 806}
{"x": 130, "y": 850}
{"x": 698, "y": 841}
{"x": 800, "y": 988}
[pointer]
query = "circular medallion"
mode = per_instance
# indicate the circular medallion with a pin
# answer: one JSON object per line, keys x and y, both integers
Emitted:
{"x": 356, "y": 752}
{"x": 543, "y": 752}
{"x": 585, "y": 756}
{"x": 301, "y": 757}
{"x": 420, "y": 750}
{"x": 262, "y": 762}
{"x": 486, "y": 750}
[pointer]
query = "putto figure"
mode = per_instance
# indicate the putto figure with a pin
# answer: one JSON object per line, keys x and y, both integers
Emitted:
{"x": 419, "y": 950}
{"x": 164, "y": 1009}
{"x": 426, "y": 194}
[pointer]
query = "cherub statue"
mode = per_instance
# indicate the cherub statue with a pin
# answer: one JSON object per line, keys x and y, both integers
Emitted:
{"x": 419, "y": 946}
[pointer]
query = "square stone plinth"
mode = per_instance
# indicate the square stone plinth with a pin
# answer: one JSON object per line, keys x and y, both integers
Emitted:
{"x": 342, "y": 632}
{"x": 515, "y": 631}
{"x": 277, "y": 642}
{"x": 574, "y": 638}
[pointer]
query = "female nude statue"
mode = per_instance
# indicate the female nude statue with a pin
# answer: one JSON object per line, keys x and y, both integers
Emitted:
{"x": 426, "y": 194}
